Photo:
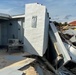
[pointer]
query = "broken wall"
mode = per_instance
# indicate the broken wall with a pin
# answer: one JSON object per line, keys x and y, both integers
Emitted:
{"x": 36, "y": 29}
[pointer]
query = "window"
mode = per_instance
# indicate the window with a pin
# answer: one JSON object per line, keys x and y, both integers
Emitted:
{"x": 34, "y": 21}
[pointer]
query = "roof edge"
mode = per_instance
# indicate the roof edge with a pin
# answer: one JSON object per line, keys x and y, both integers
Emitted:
{"x": 18, "y": 16}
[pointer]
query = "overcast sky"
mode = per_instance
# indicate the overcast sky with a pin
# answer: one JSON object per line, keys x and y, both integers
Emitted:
{"x": 59, "y": 10}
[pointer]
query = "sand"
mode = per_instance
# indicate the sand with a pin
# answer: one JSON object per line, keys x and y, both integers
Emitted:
{"x": 30, "y": 71}
{"x": 7, "y": 59}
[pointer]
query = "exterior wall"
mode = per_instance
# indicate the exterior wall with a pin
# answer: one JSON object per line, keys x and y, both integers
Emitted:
{"x": 16, "y": 29}
{"x": 46, "y": 29}
{"x": 4, "y": 32}
{"x": 13, "y": 29}
{"x": 0, "y": 34}
{"x": 20, "y": 29}
{"x": 34, "y": 38}
{"x": 9, "y": 28}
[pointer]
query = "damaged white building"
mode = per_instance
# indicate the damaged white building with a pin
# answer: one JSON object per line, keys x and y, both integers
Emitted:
{"x": 30, "y": 28}
{"x": 39, "y": 37}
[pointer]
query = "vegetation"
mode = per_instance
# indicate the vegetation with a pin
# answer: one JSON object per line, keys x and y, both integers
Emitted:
{"x": 60, "y": 24}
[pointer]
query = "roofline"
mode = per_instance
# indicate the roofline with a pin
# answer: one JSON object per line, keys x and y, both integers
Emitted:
{"x": 4, "y": 16}
{"x": 18, "y": 16}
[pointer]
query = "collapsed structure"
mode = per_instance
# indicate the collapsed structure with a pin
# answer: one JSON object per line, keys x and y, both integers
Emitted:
{"x": 40, "y": 38}
{"x": 31, "y": 29}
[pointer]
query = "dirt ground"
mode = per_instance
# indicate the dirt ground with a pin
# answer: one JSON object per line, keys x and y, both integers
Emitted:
{"x": 30, "y": 71}
{"x": 7, "y": 59}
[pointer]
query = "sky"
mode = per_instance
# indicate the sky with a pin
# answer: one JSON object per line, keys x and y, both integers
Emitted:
{"x": 59, "y": 10}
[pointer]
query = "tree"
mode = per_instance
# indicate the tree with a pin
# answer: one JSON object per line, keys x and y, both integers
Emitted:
{"x": 65, "y": 23}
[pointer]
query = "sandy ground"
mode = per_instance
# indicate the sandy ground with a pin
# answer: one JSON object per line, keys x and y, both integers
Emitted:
{"x": 30, "y": 71}
{"x": 7, "y": 59}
